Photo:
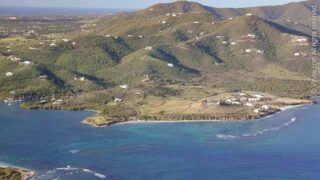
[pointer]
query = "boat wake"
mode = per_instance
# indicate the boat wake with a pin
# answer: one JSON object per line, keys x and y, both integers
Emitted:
{"x": 258, "y": 133}
{"x": 70, "y": 172}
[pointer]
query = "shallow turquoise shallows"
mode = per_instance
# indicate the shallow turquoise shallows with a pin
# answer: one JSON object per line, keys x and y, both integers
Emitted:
{"x": 57, "y": 146}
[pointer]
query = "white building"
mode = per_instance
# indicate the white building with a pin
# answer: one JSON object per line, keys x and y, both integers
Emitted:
{"x": 43, "y": 77}
{"x": 260, "y": 51}
{"x": 254, "y": 99}
{"x": 8, "y": 74}
{"x": 170, "y": 65}
{"x": 13, "y": 58}
{"x": 301, "y": 40}
{"x": 256, "y": 111}
{"x": 124, "y": 86}
{"x": 26, "y": 63}
{"x": 248, "y": 104}
{"x": 296, "y": 54}
{"x": 32, "y": 48}
{"x": 233, "y": 102}
{"x": 257, "y": 96}
{"x": 57, "y": 102}
{"x": 249, "y": 50}
{"x": 148, "y": 48}
{"x": 116, "y": 100}
{"x": 80, "y": 78}
{"x": 257, "y": 51}
{"x": 53, "y": 44}
{"x": 251, "y": 36}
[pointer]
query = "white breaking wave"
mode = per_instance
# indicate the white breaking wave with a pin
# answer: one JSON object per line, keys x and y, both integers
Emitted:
{"x": 276, "y": 128}
{"x": 94, "y": 173}
{"x": 68, "y": 168}
{"x": 74, "y": 151}
{"x": 226, "y": 136}
{"x": 52, "y": 174}
{"x": 87, "y": 170}
{"x": 100, "y": 175}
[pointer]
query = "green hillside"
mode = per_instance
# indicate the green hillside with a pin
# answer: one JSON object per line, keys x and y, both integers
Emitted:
{"x": 164, "y": 55}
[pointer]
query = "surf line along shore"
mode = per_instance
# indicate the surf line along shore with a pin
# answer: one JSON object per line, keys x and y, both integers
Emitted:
{"x": 9, "y": 172}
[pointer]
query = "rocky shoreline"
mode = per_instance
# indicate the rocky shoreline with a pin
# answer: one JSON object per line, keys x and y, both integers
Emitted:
{"x": 15, "y": 173}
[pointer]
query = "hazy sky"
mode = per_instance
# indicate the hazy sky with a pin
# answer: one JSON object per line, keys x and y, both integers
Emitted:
{"x": 134, "y": 4}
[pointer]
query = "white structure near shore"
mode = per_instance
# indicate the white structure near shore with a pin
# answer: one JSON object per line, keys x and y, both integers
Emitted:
{"x": 8, "y": 74}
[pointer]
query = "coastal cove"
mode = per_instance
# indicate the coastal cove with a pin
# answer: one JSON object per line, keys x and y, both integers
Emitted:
{"x": 55, "y": 144}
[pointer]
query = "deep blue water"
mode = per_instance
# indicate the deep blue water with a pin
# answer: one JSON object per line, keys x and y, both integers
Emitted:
{"x": 284, "y": 146}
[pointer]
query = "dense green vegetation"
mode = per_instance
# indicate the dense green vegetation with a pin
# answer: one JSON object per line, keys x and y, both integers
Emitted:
{"x": 9, "y": 174}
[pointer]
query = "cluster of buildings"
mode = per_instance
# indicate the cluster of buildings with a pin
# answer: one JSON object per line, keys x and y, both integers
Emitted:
{"x": 16, "y": 59}
{"x": 173, "y": 14}
{"x": 242, "y": 99}
{"x": 57, "y": 102}
{"x": 233, "y": 43}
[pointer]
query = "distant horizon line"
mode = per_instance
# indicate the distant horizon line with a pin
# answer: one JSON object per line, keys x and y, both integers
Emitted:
{"x": 134, "y": 9}
{"x": 50, "y": 7}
